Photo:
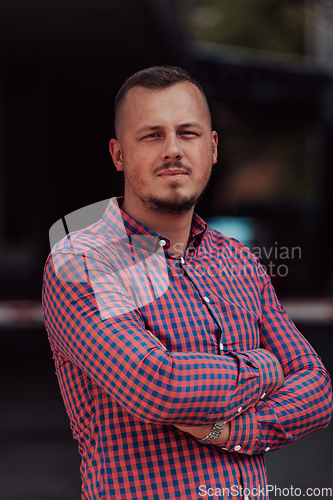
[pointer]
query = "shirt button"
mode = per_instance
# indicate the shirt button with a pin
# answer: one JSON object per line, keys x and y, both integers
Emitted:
{"x": 182, "y": 260}
{"x": 239, "y": 409}
{"x": 206, "y": 299}
{"x": 221, "y": 346}
{"x": 246, "y": 498}
{"x": 237, "y": 447}
{"x": 162, "y": 243}
{"x": 268, "y": 448}
{"x": 263, "y": 395}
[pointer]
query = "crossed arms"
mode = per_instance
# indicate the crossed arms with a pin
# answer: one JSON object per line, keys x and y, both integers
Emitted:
{"x": 203, "y": 430}
{"x": 193, "y": 389}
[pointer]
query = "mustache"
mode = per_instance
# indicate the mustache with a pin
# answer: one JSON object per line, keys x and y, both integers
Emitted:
{"x": 174, "y": 164}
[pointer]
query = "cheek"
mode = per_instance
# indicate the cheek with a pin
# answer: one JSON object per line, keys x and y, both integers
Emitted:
{"x": 206, "y": 176}
{"x": 203, "y": 154}
{"x": 139, "y": 166}
{"x": 135, "y": 174}
{"x": 205, "y": 162}
{"x": 203, "y": 174}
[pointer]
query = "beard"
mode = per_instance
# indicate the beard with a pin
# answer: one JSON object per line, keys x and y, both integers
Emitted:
{"x": 176, "y": 203}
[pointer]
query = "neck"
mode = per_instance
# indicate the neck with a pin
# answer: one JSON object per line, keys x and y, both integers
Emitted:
{"x": 172, "y": 226}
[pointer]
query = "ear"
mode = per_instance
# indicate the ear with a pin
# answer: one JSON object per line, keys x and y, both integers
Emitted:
{"x": 115, "y": 152}
{"x": 215, "y": 141}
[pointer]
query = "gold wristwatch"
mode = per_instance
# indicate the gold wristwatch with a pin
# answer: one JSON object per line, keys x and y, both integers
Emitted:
{"x": 214, "y": 433}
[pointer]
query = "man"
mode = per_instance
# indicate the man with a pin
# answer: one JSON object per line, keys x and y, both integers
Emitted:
{"x": 178, "y": 367}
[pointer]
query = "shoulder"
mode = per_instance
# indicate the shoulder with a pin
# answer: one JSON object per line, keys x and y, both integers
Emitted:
{"x": 232, "y": 255}
{"x": 85, "y": 227}
{"x": 83, "y": 240}
{"x": 215, "y": 239}
{"x": 70, "y": 255}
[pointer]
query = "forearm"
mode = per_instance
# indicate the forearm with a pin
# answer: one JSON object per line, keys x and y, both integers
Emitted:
{"x": 224, "y": 382}
{"x": 301, "y": 406}
{"x": 156, "y": 386}
{"x": 199, "y": 432}
{"x": 203, "y": 431}
{"x": 304, "y": 402}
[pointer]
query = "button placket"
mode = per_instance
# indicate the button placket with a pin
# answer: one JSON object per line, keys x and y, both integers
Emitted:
{"x": 201, "y": 288}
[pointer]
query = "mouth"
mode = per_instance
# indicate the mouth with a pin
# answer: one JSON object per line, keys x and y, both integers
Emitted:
{"x": 173, "y": 174}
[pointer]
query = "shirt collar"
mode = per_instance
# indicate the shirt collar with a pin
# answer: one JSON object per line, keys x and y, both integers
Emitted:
{"x": 198, "y": 228}
{"x": 127, "y": 227}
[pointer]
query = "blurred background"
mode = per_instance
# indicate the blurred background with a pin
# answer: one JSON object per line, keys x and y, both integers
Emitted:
{"x": 267, "y": 69}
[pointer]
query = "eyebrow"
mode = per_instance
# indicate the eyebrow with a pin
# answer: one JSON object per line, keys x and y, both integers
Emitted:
{"x": 148, "y": 127}
{"x": 191, "y": 125}
{"x": 158, "y": 127}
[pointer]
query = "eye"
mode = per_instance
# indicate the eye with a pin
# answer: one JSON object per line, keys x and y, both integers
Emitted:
{"x": 188, "y": 132}
{"x": 150, "y": 136}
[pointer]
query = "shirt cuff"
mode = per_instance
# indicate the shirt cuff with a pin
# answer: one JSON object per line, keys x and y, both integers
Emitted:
{"x": 243, "y": 433}
{"x": 269, "y": 371}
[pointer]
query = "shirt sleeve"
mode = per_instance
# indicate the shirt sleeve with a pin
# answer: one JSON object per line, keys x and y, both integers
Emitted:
{"x": 302, "y": 405}
{"x": 92, "y": 321}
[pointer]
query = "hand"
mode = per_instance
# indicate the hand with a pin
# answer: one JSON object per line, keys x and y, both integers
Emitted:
{"x": 199, "y": 432}
{"x": 203, "y": 430}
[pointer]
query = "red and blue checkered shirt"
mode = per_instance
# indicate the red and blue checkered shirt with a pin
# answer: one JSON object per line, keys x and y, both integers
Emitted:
{"x": 143, "y": 339}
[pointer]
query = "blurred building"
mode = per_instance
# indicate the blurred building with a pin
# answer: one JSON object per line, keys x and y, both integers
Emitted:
{"x": 61, "y": 64}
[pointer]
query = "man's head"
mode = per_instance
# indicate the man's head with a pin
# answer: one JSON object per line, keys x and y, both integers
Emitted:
{"x": 165, "y": 145}
{"x": 154, "y": 78}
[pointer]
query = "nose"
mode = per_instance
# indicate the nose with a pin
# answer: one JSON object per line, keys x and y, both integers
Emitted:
{"x": 172, "y": 149}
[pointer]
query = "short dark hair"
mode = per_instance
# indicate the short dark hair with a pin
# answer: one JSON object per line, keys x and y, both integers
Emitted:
{"x": 155, "y": 77}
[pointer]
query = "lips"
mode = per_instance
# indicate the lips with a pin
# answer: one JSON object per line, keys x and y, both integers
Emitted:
{"x": 172, "y": 173}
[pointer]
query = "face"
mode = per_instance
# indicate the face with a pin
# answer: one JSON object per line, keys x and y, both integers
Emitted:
{"x": 165, "y": 148}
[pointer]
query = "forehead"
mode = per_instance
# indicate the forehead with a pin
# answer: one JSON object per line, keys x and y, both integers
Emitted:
{"x": 182, "y": 101}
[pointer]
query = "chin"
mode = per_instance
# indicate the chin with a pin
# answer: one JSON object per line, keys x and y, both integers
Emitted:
{"x": 173, "y": 205}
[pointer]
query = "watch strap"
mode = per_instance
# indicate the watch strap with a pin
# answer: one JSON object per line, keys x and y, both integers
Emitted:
{"x": 214, "y": 433}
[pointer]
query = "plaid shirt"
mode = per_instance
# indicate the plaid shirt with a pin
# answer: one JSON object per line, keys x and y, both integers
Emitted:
{"x": 143, "y": 339}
